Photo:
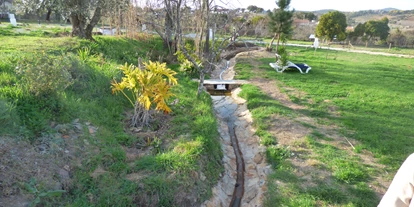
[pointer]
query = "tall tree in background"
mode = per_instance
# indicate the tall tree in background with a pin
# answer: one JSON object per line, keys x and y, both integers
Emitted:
{"x": 83, "y": 14}
{"x": 375, "y": 28}
{"x": 280, "y": 21}
{"x": 332, "y": 24}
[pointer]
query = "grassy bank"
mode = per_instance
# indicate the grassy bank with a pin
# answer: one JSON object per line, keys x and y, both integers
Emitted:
{"x": 368, "y": 97}
{"x": 81, "y": 127}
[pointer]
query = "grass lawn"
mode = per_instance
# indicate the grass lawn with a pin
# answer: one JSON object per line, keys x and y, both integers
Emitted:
{"x": 82, "y": 128}
{"x": 373, "y": 97}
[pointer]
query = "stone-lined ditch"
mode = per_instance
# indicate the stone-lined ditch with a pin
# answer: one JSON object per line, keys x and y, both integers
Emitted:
{"x": 232, "y": 113}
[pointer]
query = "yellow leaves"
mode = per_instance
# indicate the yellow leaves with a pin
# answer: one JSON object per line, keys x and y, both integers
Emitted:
{"x": 149, "y": 86}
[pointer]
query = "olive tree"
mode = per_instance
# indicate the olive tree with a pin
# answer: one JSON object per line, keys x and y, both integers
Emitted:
{"x": 84, "y": 15}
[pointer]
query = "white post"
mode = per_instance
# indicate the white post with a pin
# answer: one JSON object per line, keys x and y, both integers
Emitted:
{"x": 12, "y": 19}
{"x": 315, "y": 44}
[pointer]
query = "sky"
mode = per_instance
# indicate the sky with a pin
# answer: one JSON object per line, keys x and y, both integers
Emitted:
{"x": 341, "y": 5}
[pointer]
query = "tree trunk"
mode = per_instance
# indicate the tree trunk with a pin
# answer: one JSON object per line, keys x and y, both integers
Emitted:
{"x": 207, "y": 44}
{"x": 168, "y": 26}
{"x": 49, "y": 12}
{"x": 80, "y": 28}
{"x": 77, "y": 26}
{"x": 269, "y": 48}
{"x": 277, "y": 44}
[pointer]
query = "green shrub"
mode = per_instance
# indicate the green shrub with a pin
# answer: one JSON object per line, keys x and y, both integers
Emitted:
{"x": 45, "y": 75}
{"x": 187, "y": 66}
{"x": 283, "y": 56}
{"x": 43, "y": 79}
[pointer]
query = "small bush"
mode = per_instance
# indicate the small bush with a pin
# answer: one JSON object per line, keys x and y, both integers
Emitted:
{"x": 283, "y": 56}
{"x": 45, "y": 75}
{"x": 187, "y": 66}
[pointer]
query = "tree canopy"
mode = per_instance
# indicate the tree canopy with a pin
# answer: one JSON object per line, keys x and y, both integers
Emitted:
{"x": 255, "y": 9}
{"x": 280, "y": 20}
{"x": 371, "y": 29}
{"x": 83, "y": 14}
{"x": 374, "y": 28}
{"x": 331, "y": 25}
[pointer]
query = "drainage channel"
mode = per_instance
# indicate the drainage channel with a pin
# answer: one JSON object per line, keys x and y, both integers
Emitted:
{"x": 239, "y": 186}
{"x": 240, "y": 169}
{"x": 242, "y": 182}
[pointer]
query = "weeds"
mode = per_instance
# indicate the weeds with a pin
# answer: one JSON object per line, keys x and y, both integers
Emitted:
{"x": 188, "y": 143}
{"x": 38, "y": 195}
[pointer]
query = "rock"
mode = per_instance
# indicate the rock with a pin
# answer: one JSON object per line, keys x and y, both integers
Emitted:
{"x": 258, "y": 158}
{"x": 63, "y": 174}
{"x": 250, "y": 194}
{"x": 41, "y": 148}
{"x": 61, "y": 128}
{"x": 92, "y": 130}
{"x": 251, "y": 183}
{"x": 202, "y": 176}
{"x": 78, "y": 127}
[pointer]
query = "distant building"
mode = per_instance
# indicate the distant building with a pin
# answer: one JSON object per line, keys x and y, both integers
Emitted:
{"x": 300, "y": 22}
{"x": 349, "y": 29}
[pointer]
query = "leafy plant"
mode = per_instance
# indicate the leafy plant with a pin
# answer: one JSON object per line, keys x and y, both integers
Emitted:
{"x": 84, "y": 54}
{"x": 31, "y": 188}
{"x": 283, "y": 60}
{"x": 149, "y": 86}
{"x": 44, "y": 74}
{"x": 185, "y": 65}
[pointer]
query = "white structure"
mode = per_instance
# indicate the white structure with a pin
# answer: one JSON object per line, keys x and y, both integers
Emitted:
{"x": 12, "y": 20}
{"x": 312, "y": 36}
{"x": 107, "y": 31}
{"x": 316, "y": 43}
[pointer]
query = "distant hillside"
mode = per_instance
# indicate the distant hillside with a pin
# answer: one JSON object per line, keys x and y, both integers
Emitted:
{"x": 323, "y": 11}
{"x": 389, "y": 9}
{"x": 402, "y": 19}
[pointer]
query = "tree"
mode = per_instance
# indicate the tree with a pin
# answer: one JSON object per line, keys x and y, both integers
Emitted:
{"x": 280, "y": 21}
{"x": 397, "y": 38}
{"x": 310, "y": 16}
{"x": 375, "y": 28}
{"x": 252, "y": 8}
{"x": 83, "y": 14}
{"x": 359, "y": 31}
{"x": 332, "y": 24}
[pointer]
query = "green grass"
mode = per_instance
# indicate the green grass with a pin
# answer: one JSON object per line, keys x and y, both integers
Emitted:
{"x": 373, "y": 96}
{"x": 372, "y": 48}
{"x": 189, "y": 146}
